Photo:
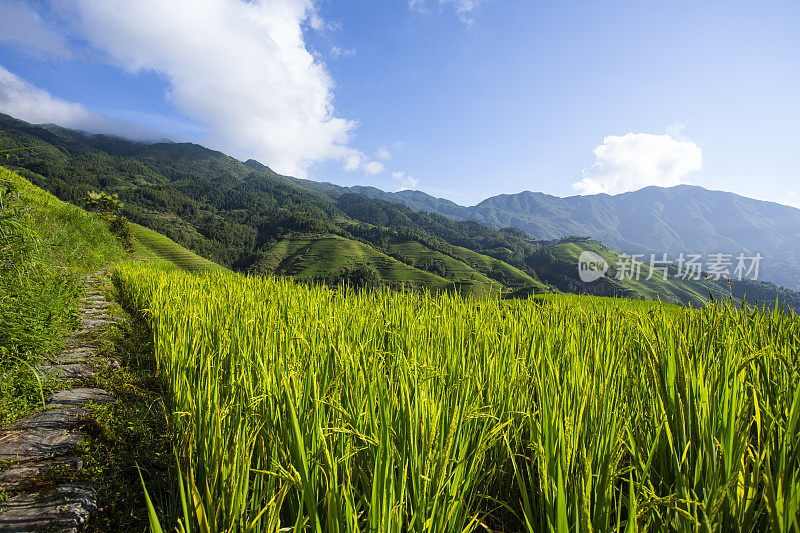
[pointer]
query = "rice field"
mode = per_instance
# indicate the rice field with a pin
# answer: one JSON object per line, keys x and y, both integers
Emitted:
{"x": 301, "y": 408}
{"x": 149, "y": 245}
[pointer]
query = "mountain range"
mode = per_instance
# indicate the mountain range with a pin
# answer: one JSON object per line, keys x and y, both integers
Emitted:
{"x": 245, "y": 216}
{"x": 655, "y": 220}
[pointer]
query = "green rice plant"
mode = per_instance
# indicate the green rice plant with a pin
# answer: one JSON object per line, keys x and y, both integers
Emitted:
{"x": 302, "y": 408}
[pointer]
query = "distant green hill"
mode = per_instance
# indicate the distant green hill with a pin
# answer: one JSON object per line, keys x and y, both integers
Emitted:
{"x": 646, "y": 285}
{"x": 558, "y": 263}
{"x": 246, "y": 217}
{"x": 681, "y": 219}
{"x": 148, "y": 244}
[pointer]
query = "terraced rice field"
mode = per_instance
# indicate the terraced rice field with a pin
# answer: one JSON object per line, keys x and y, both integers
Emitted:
{"x": 295, "y": 407}
{"x": 149, "y": 244}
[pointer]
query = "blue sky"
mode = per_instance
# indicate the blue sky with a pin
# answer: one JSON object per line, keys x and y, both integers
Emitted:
{"x": 463, "y": 99}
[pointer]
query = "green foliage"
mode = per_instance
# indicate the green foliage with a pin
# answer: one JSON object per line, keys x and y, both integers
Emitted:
{"x": 298, "y": 407}
{"x": 433, "y": 266}
{"x": 9, "y": 148}
{"x": 99, "y": 202}
{"x": 232, "y": 213}
{"x": 360, "y": 276}
{"x": 129, "y": 434}
{"x": 147, "y": 244}
{"x": 46, "y": 246}
{"x": 21, "y": 390}
{"x": 239, "y": 214}
{"x": 110, "y": 209}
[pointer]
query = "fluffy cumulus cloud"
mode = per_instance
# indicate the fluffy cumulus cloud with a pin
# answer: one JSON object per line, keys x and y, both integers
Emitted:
{"x": 635, "y": 160}
{"x": 21, "y": 25}
{"x": 463, "y": 8}
{"x": 241, "y": 69}
{"x": 406, "y": 181}
{"x": 356, "y": 160}
{"x": 373, "y": 167}
{"x": 24, "y": 101}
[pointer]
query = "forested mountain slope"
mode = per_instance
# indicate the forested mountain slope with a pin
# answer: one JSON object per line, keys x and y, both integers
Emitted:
{"x": 681, "y": 219}
{"x": 247, "y": 217}
{"x": 252, "y": 219}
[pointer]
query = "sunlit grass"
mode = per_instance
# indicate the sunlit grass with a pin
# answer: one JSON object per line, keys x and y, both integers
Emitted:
{"x": 148, "y": 245}
{"x": 319, "y": 410}
{"x": 46, "y": 247}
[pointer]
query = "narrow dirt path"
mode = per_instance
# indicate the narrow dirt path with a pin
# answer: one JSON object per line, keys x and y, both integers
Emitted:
{"x": 40, "y": 453}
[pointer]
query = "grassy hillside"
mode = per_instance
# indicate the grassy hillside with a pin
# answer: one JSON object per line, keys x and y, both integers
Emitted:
{"x": 445, "y": 266}
{"x": 673, "y": 289}
{"x": 326, "y": 257}
{"x": 560, "y": 266}
{"x": 234, "y": 214}
{"x": 509, "y": 275}
{"x": 46, "y": 247}
{"x": 148, "y": 244}
{"x": 246, "y": 217}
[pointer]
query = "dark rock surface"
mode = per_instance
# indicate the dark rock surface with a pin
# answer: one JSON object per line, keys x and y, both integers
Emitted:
{"x": 75, "y": 354}
{"x": 18, "y": 476}
{"x": 68, "y": 371}
{"x": 78, "y": 397}
{"x": 64, "y": 508}
{"x": 41, "y": 450}
{"x": 44, "y": 434}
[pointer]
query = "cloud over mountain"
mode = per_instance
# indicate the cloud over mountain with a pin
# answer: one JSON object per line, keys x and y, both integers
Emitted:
{"x": 32, "y": 104}
{"x": 240, "y": 70}
{"x": 635, "y": 160}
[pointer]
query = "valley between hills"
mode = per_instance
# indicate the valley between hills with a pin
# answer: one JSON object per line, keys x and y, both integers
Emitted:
{"x": 248, "y": 218}
{"x": 350, "y": 362}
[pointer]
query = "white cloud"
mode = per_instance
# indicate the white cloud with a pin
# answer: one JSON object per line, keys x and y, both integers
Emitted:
{"x": 406, "y": 181}
{"x": 180, "y": 130}
{"x": 20, "y": 24}
{"x": 636, "y": 160}
{"x": 357, "y": 160}
{"x": 675, "y": 130}
{"x": 463, "y": 8}
{"x": 240, "y": 69}
{"x": 353, "y": 161}
{"x": 385, "y": 152}
{"x": 791, "y": 199}
{"x": 373, "y": 167}
{"x": 418, "y": 5}
{"x": 24, "y": 101}
{"x": 342, "y": 52}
